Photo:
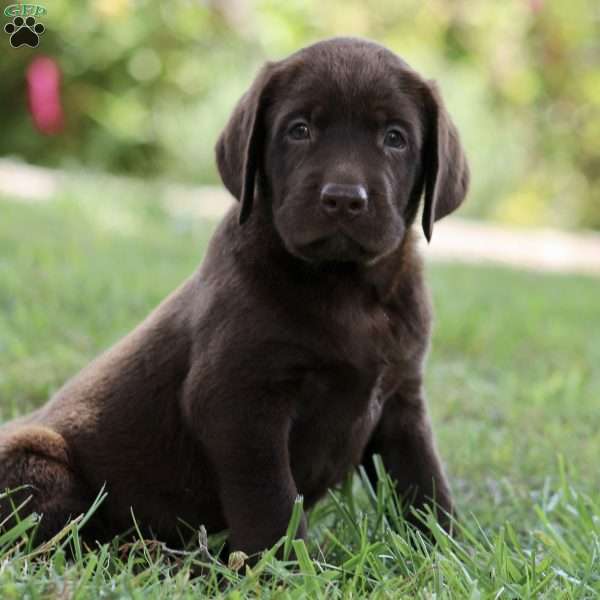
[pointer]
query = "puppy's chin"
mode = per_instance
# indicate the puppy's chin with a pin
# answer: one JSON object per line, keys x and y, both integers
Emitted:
{"x": 337, "y": 248}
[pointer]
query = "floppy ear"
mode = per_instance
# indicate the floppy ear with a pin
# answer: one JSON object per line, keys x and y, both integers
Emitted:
{"x": 446, "y": 168}
{"x": 239, "y": 146}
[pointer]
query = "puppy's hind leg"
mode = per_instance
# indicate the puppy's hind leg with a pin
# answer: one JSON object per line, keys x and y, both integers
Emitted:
{"x": 38, "y": 457}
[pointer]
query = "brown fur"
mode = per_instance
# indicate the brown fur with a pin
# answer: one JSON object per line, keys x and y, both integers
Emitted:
{"x": 296, "y": 351}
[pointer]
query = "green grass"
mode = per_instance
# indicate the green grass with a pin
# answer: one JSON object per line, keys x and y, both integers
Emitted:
{"x": 514, "y": 388}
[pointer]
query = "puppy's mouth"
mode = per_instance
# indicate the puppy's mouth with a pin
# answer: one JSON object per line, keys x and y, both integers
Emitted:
{"x": 339, "y": 247}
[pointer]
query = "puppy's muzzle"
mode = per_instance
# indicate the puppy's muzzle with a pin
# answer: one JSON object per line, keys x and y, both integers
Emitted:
{"x": 344, "y": 201}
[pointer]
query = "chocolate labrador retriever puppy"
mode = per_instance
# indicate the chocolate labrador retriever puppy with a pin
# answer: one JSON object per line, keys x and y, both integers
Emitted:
{"x": 296, "y": 351}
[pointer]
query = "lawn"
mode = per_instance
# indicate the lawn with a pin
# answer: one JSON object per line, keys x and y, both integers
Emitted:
{"x": 514, "y": 388}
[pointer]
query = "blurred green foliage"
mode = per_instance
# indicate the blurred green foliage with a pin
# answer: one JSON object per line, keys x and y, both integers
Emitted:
{"x": 147, "y": 86}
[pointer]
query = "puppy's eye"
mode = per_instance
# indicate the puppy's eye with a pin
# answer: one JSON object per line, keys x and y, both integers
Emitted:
{"x": 299, "y": 131}
{"x": 394, "y": 138}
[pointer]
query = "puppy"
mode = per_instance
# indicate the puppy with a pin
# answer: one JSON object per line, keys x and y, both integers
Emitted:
{"x": 295, "y": 352}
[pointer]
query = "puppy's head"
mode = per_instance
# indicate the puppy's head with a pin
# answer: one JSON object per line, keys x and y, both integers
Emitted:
{"x": 341, "y": 140}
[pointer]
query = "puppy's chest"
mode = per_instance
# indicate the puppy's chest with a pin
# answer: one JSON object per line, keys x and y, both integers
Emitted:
{"x": 337, "y": 409}
{"x": 339, "y": 399}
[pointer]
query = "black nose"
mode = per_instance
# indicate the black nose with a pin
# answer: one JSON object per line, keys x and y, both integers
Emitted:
{"x": 344, "y": 200}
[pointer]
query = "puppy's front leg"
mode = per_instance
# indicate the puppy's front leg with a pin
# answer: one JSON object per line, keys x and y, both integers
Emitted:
{"x": 404, "y": 440}
{"x": 257, "y": 489}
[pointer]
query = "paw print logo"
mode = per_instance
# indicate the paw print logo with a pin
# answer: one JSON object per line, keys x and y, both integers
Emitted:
{"x": 24, "y": 32}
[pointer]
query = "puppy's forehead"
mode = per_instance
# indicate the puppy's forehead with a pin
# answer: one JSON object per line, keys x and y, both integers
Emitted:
{"x": 348, "y": 76}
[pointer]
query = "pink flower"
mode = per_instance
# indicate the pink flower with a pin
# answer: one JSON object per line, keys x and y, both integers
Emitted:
{"x": 43, "y": 95}
{"x": 536, "y": 5}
